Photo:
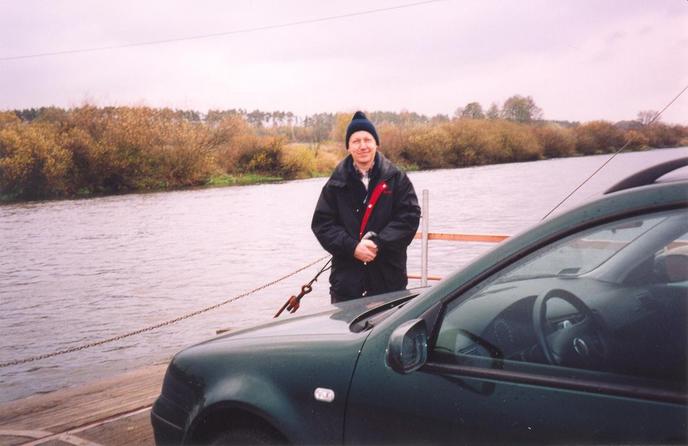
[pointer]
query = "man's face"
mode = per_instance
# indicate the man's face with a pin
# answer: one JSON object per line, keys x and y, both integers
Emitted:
{"x": 362, "y": 148}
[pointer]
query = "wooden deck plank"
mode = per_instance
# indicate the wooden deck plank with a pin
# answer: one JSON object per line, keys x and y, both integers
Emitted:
{"x": 134, "y": 430}
{"x": 12, "y": 440}
{"x": 75, "y": 407}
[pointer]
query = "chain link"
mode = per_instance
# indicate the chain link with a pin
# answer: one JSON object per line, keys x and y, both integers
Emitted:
{"x": 158, "y": 325}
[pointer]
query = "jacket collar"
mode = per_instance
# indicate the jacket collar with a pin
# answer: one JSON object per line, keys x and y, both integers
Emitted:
{"x": 383, "y": 169}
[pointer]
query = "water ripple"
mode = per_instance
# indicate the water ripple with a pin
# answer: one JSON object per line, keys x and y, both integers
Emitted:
{"x": 78, "y": 271}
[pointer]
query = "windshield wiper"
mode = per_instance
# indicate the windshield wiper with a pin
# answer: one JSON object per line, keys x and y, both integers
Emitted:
{"x": 370, "y": 318}
{"x": 566, "y": 272}
{"x": 367, "y": 325}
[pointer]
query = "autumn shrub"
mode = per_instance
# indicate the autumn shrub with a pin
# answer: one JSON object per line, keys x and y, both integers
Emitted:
{"x": 92, "y": 120}
{"x": 555, "y": 141}
{"x": 261, "y": 154}
{"x": 662, "y": 135}
{"x": 341, "y": 123}
{"x": 185, "y": 157}
{"x": 127, "y": 156}
{"x": 227, "y": 138}
{"x": 8, "y": 118}
{"x": 469, "y": 142}
{"x": 53, "y": 152}
{"x": 636, "y": 139}
{"x": 82, "y": 176}
{"x": 328, "y": 156}
{"x": 299, "y": 160}
{"x": 55, "y": 116}
{"x": 472, "y": 142}
{"x": 394, "y": 143}
{"x": 516, "y": 142}
{"x": 598, "y": 137}
{"x": 427, "y": 147}
{"x": 32, "y": 162}
{"x": 152, "y": 149}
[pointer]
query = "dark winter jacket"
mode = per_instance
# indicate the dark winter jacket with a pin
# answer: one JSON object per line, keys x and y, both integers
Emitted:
{"x": 336, "y": 224}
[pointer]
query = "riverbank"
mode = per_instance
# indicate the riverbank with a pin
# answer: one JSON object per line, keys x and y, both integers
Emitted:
{"x": 222, "y": 180}
{"x": 91, "y": 151}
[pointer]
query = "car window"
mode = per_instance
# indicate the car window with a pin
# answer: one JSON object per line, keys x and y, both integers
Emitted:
{"x": 583, "y": 253}
{"x": 612, "y": 298}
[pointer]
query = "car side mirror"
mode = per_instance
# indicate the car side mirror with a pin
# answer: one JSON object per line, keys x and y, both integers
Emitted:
{"x": 407, "y": 350}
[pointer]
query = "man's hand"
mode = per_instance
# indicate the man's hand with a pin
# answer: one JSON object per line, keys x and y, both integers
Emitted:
{"x": 366, "y": 251}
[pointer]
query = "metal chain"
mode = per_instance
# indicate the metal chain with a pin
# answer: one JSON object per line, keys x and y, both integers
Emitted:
{"x": 158, "y": 325}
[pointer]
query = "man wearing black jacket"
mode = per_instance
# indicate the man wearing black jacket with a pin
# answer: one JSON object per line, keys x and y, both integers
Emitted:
{"x": 366, "y": 217}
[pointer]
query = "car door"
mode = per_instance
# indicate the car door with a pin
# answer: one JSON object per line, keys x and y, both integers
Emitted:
{"x": 582, "y": 341}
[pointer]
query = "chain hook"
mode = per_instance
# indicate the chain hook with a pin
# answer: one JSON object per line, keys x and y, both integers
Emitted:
{"x": 294, "y": 302}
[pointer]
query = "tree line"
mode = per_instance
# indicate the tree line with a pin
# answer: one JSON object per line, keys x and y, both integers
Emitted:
{"x": 52, "y": 152}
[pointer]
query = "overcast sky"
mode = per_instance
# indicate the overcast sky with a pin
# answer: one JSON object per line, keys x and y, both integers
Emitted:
{"x": 580, "y": 60}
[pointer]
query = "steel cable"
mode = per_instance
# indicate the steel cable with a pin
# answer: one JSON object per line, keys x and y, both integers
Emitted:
{"x": 628, "y": 141}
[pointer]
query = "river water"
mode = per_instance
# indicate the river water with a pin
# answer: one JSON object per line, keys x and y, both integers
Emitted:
{"x": 77, "y": 271}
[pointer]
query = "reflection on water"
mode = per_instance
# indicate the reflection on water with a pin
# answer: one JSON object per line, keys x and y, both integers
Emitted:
{"x": 72, "y": 272}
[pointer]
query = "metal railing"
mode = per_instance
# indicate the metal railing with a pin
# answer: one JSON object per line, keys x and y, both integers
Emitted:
{"x": 425, "y": 236}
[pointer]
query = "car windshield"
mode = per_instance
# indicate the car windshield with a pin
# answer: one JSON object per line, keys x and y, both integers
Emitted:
{"x": 583, "y": 253}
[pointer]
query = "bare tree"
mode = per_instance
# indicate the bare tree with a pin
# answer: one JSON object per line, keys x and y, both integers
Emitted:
{"x": 646, "y": 117}
{"x": 521, "y": 109}
{"x": 493, "y": 112}
{"x": 473, "y": 110}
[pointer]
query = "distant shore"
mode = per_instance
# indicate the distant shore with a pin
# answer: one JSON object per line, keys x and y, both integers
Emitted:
{"x": 54, "y": 153}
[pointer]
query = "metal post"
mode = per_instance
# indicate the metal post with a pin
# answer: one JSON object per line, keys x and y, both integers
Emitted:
{"x": 424, "y": 214}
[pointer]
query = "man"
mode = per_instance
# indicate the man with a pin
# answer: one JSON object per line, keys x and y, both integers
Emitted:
{"x": 366, "y": 217}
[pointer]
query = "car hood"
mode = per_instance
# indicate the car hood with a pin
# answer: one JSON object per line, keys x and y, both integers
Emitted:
{"x": 321, "y": 343}
{"x": 267, "y": 366}
{"x": 336, "y": 320}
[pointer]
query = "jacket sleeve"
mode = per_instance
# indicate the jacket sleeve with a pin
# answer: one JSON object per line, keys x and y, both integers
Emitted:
{"x": 327, "y": 226}
{"x": 402, "y": 227}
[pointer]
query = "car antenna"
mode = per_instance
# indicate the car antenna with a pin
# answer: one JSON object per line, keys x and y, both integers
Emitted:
{"x": 628, "y": 141}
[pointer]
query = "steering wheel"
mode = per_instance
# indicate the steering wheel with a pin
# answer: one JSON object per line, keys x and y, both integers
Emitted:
{"x": 583, "y": 343}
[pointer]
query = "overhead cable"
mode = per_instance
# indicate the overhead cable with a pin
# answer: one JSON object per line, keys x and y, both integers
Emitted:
{"x": 218, "y": 34}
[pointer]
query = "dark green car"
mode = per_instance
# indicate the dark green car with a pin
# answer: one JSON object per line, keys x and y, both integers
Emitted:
{"x": 573, "y": 332}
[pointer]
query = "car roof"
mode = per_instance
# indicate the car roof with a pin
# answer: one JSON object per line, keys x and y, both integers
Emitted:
{"x": 638, "y": 194}
{"x": 649, "y": 175}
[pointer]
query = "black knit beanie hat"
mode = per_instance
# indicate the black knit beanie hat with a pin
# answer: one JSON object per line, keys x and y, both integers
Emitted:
{"x": 360, "y": 122}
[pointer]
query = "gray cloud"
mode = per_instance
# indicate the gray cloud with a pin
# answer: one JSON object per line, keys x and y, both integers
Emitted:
{"x": 579, "y": 60}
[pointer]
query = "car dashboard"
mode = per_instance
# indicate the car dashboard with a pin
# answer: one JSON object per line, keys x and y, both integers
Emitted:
{"x": 622, "y": 313}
